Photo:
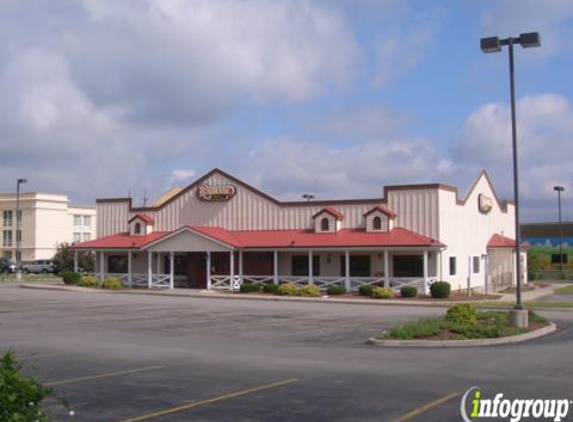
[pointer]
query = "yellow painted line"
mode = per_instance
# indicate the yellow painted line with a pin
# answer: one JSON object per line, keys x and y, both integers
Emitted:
{"x": 104, "y": 375}
{"x": 192, "y": 404}
{"x": 418, "y": 411}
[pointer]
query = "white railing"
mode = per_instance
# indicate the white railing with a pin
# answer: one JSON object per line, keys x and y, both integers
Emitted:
{"x": 324, "y": 282}
{"x": 222, "y": 282}
{"x": 357, "y": 282}
{"x": 142, "y": 280}
{"x": 258, "y": 279}
{"x": 397, "y": 283}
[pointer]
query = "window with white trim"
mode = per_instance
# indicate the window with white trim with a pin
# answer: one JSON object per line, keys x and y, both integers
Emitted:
{"x": 7, "y": 238}
{"x": 87, "y": 237}
{"x": 77, "y": 237}
{"x": 77, "y": 220}
{"x": 453, "y": 266}
{"x": 87, "y": 220}
{"x": 7, "y": 218}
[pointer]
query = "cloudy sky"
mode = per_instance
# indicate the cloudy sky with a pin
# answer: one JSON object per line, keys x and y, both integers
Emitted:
{"x": 334, "y": 97}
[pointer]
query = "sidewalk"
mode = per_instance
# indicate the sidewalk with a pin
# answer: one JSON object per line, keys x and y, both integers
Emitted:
{"x": 533, "y": 294}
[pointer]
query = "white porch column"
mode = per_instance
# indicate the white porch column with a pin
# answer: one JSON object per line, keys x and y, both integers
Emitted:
{"x": 425, "y": 272}
{"x": 208, "y": 272}
{"x": 171, "y": 270}
{"x": 310, "y": 274}
{"x": 76, "y": 261}
{"x": 130, "y": 268}
{"x": 439, "y": 266}
{"x": 149, "y": 269}
{"x": 241, "y": 267}
{"x": 386, "y": 268}
{"x": 347, "y": 270}
{"x": 275, "y": 267}
{"x": 101, "y": 266}
{"x": 232, "y": 270}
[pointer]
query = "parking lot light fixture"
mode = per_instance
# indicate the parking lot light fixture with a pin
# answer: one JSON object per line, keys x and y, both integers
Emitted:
{"x": 560, "y": 189}
{"x": 18, "y": 222}
{"x": 493, "y": 45}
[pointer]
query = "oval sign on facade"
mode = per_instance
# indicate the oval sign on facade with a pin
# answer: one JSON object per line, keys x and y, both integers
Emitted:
{"x": 216, "y": 193}
{"x": 485, "y": 203}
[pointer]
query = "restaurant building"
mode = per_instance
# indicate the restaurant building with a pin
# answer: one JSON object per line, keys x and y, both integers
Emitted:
{"x": 220, "y": 232}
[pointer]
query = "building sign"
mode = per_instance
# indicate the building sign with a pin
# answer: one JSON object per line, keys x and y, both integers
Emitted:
{"x": 485, "y": 203}
{"x": 216, "y": 193}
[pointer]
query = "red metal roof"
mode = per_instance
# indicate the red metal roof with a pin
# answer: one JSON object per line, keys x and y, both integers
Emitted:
{"x": 332, "y": 211}
{"x": 382, "y": 209}
{"x": 499, "y": 241}
{"x": 121, "y": 241}
{"x": 144, "y": 217}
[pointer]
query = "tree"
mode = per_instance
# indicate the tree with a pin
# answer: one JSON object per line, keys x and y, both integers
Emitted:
{"x": 64, "y": 259}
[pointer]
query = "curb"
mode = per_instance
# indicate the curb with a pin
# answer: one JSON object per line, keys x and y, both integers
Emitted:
{"x": 465, "y": 343}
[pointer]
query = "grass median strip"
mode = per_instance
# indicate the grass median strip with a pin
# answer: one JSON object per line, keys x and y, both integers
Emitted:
{"x": 192, "y": 404}
{"x": 422, "y": 409}
{"x": 104, "y": 375}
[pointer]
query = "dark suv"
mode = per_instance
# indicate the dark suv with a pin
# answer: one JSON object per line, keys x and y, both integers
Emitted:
{"x": 7, "y": 266}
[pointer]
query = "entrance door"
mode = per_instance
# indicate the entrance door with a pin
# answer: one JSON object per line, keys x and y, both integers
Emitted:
{"x": 196, "y": 271}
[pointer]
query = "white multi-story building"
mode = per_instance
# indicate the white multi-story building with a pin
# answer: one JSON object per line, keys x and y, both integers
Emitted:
{"x": 220, "y": 232}
{"x": 46, "y": 221}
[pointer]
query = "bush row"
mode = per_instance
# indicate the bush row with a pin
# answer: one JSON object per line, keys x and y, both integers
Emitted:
{"x": 111, "y": 283}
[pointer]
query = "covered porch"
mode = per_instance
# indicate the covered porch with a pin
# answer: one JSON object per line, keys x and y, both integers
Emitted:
{"x": 228, "y": 270}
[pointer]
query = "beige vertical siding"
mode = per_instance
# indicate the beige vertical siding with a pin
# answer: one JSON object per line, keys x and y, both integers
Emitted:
{"x": 417, "y": 210}
{"x": 112, "y": 217}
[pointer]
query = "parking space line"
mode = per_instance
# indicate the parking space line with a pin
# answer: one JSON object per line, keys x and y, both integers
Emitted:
{"x": 192, "y": 404}
{"x": 104, "y": 375}
{"x": 418, "y": 411}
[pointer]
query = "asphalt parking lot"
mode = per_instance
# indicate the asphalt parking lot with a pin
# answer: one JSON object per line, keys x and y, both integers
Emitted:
{"x": 121, "y": 357}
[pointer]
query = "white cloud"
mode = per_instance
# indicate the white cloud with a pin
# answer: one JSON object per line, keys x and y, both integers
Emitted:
{"x": 181, "y": 175}
{"x": 290, "y": 168}
{"x": 545, "y": 130}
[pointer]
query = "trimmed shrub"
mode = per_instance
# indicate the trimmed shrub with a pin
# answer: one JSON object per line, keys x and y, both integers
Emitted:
{"x": 288, "y": 289}
{"x": 440, "y": 290}
{"x": 112, "y": 283}
{"x": 250, "y": 288}
{"x": 309, "y": 290}
{"x": 71, "y": 278}
{"x": 20, "y": 396}
{"x": 335, "y": 290}
{"x": 462, "y": 313}
{"x": 531, "y": 275}
{"x": 271, "y": 288}
{"x": 365, "y": 290}
{"x": 408, "y": 291}
{"x": 382, "y": 293}
{"x": 88, "y": 281}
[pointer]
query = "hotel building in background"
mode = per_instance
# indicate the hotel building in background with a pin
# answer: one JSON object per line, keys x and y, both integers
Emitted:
{"x": 220, "y": 232}
{"x": 46, "y": 221}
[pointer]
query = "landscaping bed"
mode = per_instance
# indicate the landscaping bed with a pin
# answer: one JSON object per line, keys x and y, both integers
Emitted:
{"x": 463, "y": 322}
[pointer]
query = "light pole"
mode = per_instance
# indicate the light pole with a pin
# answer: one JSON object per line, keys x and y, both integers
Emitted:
{"x": 493, "y": 45}
{"x": 560, "y": 189}
{"x": 18, "y": 183}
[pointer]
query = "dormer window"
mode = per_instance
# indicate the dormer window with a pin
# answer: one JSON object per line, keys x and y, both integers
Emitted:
{"x": 140, "y": 224}
{"x": 327, "y": 220}
{"x": 377, "y": 223}
{"x": 379, "y": 219}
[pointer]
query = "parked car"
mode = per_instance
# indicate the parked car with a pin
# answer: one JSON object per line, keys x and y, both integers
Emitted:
{"x": 7, "y": 266}
{"x": 39, "y": 266}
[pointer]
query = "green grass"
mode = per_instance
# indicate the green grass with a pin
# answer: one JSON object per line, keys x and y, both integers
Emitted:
{"x": 490, "y": 324}
{"x": 565, "y": 290}
{"x": 27, "y": 277}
